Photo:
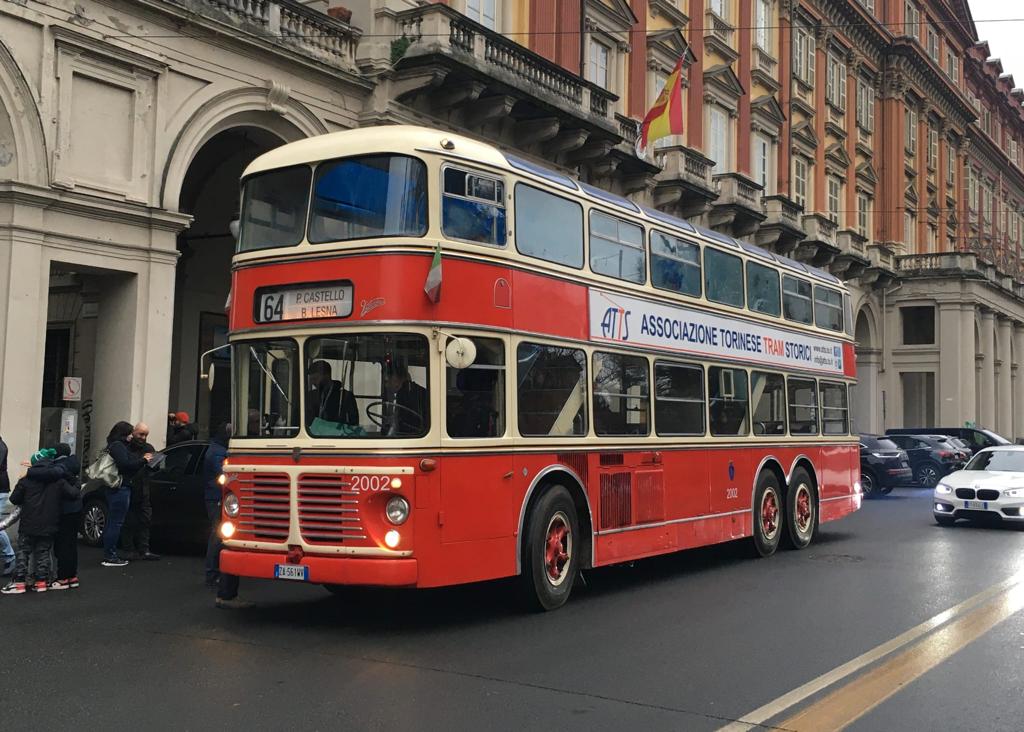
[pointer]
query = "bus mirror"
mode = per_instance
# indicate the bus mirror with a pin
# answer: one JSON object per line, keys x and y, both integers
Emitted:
{"x": 208, "y": 377}
{"x": 233, "y": 228}
{"x": 460, "y": 353}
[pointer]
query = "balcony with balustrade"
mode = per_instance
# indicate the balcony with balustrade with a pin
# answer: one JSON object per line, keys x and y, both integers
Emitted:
{"x": 737, "y": 211}
{"x": 684, "y": 187}
{"x": 470, "y": 78}
{"x": 781, "y": 230}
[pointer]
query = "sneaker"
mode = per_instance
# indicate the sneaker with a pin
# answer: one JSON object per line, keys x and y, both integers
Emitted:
{"x": 40, "y": 586}
{"x": 114, "y": 562}
{"x": 233, "y": 604}
{"x": 13, "y": 588}
{"x": 150, "y": 557}
{"x": 64, "y": 584}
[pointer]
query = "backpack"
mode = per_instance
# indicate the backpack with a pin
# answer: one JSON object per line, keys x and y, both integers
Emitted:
{"x": 105, "y": 471}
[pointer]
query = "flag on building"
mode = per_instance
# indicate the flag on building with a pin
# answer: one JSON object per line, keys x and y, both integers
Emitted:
{"x": 433, "y": 284}
{"x": 666, "y": 116}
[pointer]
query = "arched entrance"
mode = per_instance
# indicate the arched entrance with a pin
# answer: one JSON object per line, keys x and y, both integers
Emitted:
{"x": 868, "y": 399}
{"x": 210, "y": 193}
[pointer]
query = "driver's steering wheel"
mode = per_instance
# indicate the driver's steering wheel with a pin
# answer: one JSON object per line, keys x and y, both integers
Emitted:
{"x": 378, "y": 417}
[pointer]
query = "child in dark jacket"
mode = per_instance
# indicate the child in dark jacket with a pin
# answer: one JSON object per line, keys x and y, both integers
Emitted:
{"x": 64, "y": 466}
{"x": 40, "y": 495}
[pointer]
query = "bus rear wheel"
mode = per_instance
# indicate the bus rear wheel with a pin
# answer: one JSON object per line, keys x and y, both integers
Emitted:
{"x": 767, "y": 514}
{"x": 551, "y": 550}
{"x": 801, "y": 510}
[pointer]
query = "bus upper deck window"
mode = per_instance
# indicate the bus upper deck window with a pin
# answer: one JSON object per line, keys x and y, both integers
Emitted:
{"x": 617, "y": 248}
{"x": 675, "y": 264}
{"x": 796, "y": 300}
{"x": 549, "y": 227}
{"x": 828, "y": 308}
{"x": 473, "y": 207}
{"x": 274, "y": 209}
{"x": 723, "y": 277}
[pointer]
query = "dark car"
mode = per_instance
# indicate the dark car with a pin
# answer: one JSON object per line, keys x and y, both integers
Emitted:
{"x": 961, "y": 448}
{"x": 976, "y": 438}
{"x": 883, "y": 466}
{"x": 176, "y": 493}
{"x": 930, "y": 458}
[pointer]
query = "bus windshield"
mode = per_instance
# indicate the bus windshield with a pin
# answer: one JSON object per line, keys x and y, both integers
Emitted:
{"x": 267, "y": 388}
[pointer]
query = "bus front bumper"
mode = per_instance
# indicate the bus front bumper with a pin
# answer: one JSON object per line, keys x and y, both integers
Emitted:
{"x": 323, "y": 570}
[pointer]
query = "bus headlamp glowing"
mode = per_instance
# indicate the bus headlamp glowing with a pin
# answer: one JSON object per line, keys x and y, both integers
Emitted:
{"x": 222, "y": 480}
{"x": 231, "y": 505}
{"x": 392, "y": 538}
{"x": 227, "y": 529}
{"x": 397, "y": 510}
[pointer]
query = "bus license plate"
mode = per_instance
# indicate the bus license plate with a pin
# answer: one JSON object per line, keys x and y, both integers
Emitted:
{"x": 979, "y": 505}
{"x": 291, "y": 572}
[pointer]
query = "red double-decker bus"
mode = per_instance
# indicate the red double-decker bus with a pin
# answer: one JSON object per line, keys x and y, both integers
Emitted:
{"x": 451, "y": 365}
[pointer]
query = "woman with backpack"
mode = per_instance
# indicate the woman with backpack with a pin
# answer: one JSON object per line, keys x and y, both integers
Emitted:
{"x": 127, "y": 466}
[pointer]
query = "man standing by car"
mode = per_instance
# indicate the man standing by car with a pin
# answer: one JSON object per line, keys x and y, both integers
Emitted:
{"x": 135, "y": 535}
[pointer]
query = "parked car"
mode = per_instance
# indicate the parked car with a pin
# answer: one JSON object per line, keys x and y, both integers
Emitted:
{"x": 990, "y": 485}
{"x": 930, "y": 459}
{"x": 976, "y": 438}
{"x": 883, "y": 466}
{"x": 962, "y": 450}
{"x": 176, "y": 493}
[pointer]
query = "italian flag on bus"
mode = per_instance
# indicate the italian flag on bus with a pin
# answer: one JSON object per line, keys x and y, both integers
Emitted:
{"x": 666, "y": 116}
{"x": 433, "y": 284}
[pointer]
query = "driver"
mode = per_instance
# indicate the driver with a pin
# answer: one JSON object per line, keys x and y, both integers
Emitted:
{"x": 327, "y": 399}
{"x": 411, "y": 400}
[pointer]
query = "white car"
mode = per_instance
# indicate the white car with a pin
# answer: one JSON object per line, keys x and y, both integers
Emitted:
{"x": 990, "y": 484}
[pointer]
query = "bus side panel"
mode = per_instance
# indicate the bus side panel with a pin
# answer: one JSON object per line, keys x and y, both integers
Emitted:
{"x": 686, "y": 483}
{"x": 546, "y": 305}
{"x": 842, "y": 471}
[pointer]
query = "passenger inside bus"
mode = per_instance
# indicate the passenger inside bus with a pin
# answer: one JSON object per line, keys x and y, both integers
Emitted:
{"x": 328, "y": 399}
{"x": 406, "y": 403}
{"x": 471, "y": 411}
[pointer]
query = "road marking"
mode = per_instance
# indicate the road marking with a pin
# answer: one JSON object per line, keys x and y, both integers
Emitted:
{"x": 851, "y": 702}
{"x": 778, "y": 706}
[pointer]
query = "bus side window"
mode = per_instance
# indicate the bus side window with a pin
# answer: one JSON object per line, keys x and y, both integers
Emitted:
{"x": 473, "y": 207}
{"x": 768, "y": 393}
{"x": 621, "y": 395}
{"x": 803, "y": 407}
{"x": 828, "y": 308}
{"x": 763, "y": 289}
{"x": 678, "y": 399}
{"x": 727, "y": 392}
{"x": 834, "y": 409}
{"x": 549, "y": 227}
{"x": 796, "y": 300}
{"x": 475, "y": 396}
{"x": 723, "y": 277}
{"x": 675, "y": 264}
{"x": 617, "y": 248}
{"x": 551, "y": 390}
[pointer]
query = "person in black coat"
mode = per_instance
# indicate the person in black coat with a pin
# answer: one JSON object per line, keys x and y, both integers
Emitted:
{"x": 65, "y": 544}
{"x": 135, "y": 534}
{"x": 119, "y": 499}
{"x": 6, "y": 550}
{"x": 328, "y": 399}
{"x": 39, "y": 498}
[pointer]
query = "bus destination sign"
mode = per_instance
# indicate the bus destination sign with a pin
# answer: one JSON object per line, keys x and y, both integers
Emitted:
{"x": 618, "y": 318}
{"x": 308, "y": 302}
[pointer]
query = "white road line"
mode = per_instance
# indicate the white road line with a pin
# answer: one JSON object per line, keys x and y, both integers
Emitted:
{"x": 776, "y": 707}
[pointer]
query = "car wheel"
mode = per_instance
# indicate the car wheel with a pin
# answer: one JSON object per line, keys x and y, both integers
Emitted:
{"x": 768, "y": 514}
{"x": 868, "y": 486}
{"x": 944, "y": 520}
{"x": 801, "y": 510}
{"x": 94, "y": 520}
{"x": 927, "y": 475}
{"x": 551, "y": 551}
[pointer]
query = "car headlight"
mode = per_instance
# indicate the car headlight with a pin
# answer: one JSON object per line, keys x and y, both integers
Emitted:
{"x": 397, "y": 510}
{"x": 1015, "y": 493}
{"x": 943, "y": 489}
{"x": 231, "y": 505}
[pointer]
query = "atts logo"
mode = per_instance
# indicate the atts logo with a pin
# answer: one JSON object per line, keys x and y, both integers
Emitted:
{"x": 616, "y": 323}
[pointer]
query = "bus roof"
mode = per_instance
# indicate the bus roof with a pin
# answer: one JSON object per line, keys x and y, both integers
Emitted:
{"x": 392, "y": 138}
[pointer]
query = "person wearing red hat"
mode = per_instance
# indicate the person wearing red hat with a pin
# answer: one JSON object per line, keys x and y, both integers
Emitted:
{"x": 179, "y": 428}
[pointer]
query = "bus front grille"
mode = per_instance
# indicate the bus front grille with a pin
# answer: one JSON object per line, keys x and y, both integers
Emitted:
{"x": 328, "y": 509}
{"x": 263, "y": 506}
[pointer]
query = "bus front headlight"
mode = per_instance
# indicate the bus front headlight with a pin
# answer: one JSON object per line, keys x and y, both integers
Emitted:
{"x": 231, "y": 504}
{"x": 397, "y": 510}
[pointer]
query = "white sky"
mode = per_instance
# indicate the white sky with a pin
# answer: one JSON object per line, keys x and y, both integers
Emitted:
{"x": 1005, "y": 39}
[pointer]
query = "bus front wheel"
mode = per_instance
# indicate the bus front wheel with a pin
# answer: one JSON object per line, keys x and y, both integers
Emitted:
{"x": 551, "y": 550}
{"x": 767, "y": 514}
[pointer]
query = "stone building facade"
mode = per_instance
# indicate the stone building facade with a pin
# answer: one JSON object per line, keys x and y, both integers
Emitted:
{"x": 875, "y": 138}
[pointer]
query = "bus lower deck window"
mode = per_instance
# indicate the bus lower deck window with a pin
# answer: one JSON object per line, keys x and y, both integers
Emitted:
{"x": 768, "y": 393}
{"x": 834, "y": 409}
{"x": 475, "y": 396}
{"x": 621, "y": 391}
{"x": 678, "y": 399}
{"x": 803, "y": 407}
{"x": 551, "y": 390}
{"x": 728, "y": 401}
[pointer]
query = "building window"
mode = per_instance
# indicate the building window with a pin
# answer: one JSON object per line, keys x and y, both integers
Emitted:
{"x": 1013, "y": 151}
{"x": 933, "y": 148}
{"x": 801, "y": 180}
{"x": 918, "y": 325}
{"x": 933, "y": 43}
{"x": 910, "y": 130}
{"x": 835, "y": 88}
{"x": 761, "y": 164}
{"x": 912, "y": 20}
{"x": 988, "y": 203}
{"x": 972, "y": 189}
{"x": 865, "y": 106}
{"x": 952, "y": 66}
{"x": 950, "y": 165}
{"x": 835, "y": 197}
{"x": 763, "y": 24}
{"x": 482, "y": 11}
{"x": 869, "y": 5}
{"x": 910, "y": 229}
{"x": 803, "y": 54}
{"x": 720, "y": 8}
{"x": 598, "y": 63}
{"x": 864, "y": 204}
{"x": 719, "y": 139}
{"x": 933, "y": 238}
{"x": 986, "y": 120}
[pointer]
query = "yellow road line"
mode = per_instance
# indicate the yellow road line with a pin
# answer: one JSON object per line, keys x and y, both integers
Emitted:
{"x": 778, "y": 706}
{"x": 849, "y": 703}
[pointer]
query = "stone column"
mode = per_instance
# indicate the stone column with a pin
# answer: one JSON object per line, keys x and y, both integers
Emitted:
{"x": 967, "y": 353}
{"x": 1004, "y": 404}
{"x": 868, "y": 391}
{"x": 1018, "y": 382}
{"x": 951, "y": 364}
{"x": 987, "y": 395}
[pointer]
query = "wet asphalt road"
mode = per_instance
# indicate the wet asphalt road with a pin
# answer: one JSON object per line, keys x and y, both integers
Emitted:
{"x": 685, "y": 642}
